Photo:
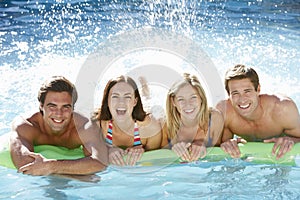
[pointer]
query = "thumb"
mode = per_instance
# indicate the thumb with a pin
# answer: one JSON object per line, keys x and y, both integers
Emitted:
{"x": 34, "y": 155}
{"x": 270, "y": 140}
{"x": 187, "y": 145}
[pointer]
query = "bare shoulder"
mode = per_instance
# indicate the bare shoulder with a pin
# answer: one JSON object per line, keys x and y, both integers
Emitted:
{"x": 224, "y": 106}
{"x": 149, "y": 120}
{"x": 150, "y": 126}
{"x": 278, "y": 102}
{"x": 216, "y": 114}
{"x": 24, "y": 121}
{"x": 279, "y": 105}
{"x": 80, "y": 120}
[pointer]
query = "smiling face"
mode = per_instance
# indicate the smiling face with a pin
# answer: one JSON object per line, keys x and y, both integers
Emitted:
{"x": 57, "y": 111}
{"x": 243, "y": 96}
{"x": 187, "y": 102}
{"x": 121, "y": 101}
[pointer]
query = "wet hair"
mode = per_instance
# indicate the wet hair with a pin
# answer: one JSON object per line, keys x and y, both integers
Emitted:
{"x": 57, "y": 84}
{"x": 173, "y": 116}
{"x": 239, "y": 72}
{"x": 103, "y": 112}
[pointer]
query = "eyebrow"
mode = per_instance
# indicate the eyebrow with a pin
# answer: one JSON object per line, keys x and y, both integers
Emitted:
{"x": 53, "y": 104}
{"x": 115, "y": 93}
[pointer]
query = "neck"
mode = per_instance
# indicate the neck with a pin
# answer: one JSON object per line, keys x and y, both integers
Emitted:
{"x": 256, "y": 115}
{"x": 189, "y": 123}
{"x": 125, "y": 126}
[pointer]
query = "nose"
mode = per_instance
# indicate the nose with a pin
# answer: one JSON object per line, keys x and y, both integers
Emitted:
{"x": 242, "y": 98}
{"x": 58, "y": 111}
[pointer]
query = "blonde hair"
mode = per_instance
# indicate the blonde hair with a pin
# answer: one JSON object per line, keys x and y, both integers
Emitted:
{"x": 173, "y": 116}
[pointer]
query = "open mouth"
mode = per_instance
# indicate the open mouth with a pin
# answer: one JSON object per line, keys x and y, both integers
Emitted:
{"x": 188, "y": 111}
{"x": 57, "y": 120}
{"x": 244, "y": 106}
{"x": 121, "y": 111}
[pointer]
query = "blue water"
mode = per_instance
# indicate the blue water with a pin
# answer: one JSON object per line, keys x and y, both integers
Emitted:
{"x": 44, "y": 38}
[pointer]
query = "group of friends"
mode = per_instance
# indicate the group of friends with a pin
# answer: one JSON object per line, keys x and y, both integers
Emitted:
{"x": 120, "y": 130}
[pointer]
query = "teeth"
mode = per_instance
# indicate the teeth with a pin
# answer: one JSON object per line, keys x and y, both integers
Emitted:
{"x": 244, "y": 106}
{"x": 121, "y": 111}
{"x": 57, "y": 121}
{"x": 188, "y": 111}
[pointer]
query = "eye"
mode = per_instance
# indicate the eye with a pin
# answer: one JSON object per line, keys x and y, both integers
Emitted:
{"x": 114, "y": 96}
{"x": 128, "y": 97}
{"x": 51, "y": 107}
{"x": 180, "y": 99}
{"x": 234, "y": 93}
{"x": 67, "y": 108}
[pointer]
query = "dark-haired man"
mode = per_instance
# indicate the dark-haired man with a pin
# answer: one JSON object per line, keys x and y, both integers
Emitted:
{"x": 256, "y": 117}
{"x": 57, "y": 124}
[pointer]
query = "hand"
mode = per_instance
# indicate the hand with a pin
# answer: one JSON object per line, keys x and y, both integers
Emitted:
{"x": 38, "y": 167}
{"x": 134, "y": 154}
{"x": 231, "y": 147}
{"x": 181, "y": 149}
{"x": 116, "y": 156}
{"x": 197, "y": 152}
{"x": 282, "y": 145}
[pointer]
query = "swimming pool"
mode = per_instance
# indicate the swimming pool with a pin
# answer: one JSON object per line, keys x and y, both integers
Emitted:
{"x": 58, "y": 37}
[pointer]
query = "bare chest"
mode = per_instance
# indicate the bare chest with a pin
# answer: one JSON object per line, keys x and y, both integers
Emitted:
{"x": 256, "y": 131}
{"x": 70, "y": 140}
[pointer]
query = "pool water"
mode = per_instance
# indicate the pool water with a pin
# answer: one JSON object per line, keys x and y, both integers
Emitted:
{"x": 44, "y": 38}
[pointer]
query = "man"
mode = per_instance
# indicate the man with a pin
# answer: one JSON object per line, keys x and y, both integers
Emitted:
{"x": 256, "y": 117}
{"x": 57, "y": 124}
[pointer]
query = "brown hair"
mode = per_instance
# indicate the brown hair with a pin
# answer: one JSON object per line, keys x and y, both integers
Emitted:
{"x": 103, "y": 112}
{"x": 241, "y": 72}
{"x": 57, "y": 84}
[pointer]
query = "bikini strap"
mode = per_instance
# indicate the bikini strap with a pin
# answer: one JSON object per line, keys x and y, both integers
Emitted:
{"x": 209, "y": 141}
{"x": 137, "y": 138}
{"x": 108, "y": 138}
{"x": 136, "y": 135}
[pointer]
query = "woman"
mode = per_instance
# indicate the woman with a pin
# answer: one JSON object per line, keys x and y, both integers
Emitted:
{"x": 192, "y": 125}
{"x": 127, "y": 128}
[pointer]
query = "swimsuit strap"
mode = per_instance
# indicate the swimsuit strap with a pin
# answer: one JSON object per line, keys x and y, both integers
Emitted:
{"x": 137, "y": 138}
{"x": 108, "y": 138}
{"x": 209, "y": 141}
{"x": 136, "y": 135}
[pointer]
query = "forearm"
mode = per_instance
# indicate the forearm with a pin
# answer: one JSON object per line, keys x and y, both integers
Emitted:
{"x": 20, "y": 155}
{"x": 81, "y": 166}
{"x": 295, "y": 139}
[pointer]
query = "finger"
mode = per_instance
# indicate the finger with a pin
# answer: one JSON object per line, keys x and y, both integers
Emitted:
{"x": 117, "y": 159}
{"x": 202, "y": 152}
{"x": 179, "y": 152}
{"x": 133, "y": 157}
{"x": 275, "y": 147}
{"x": 243, "y": 141}
{"x": 34, "y": 155}
{"x": 182, "y": 151}
{"x": 270, "y": 140}
{"x": 284, "y": 148}
{"x": 232, "y": 149}
{"x": 194, "y": 152}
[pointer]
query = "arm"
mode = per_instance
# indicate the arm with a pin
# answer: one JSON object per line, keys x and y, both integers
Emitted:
{"x": 164, "y": 139}
{"x": 96, "y": 157}
{"x": 21, "y": 142}
{"x": 216, "y": 129}
{"x": 286, "y": 114}
{"x": 228, "y": 144}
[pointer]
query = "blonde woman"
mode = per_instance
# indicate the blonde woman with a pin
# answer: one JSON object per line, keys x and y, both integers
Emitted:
{"x": 192, "y": 125}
